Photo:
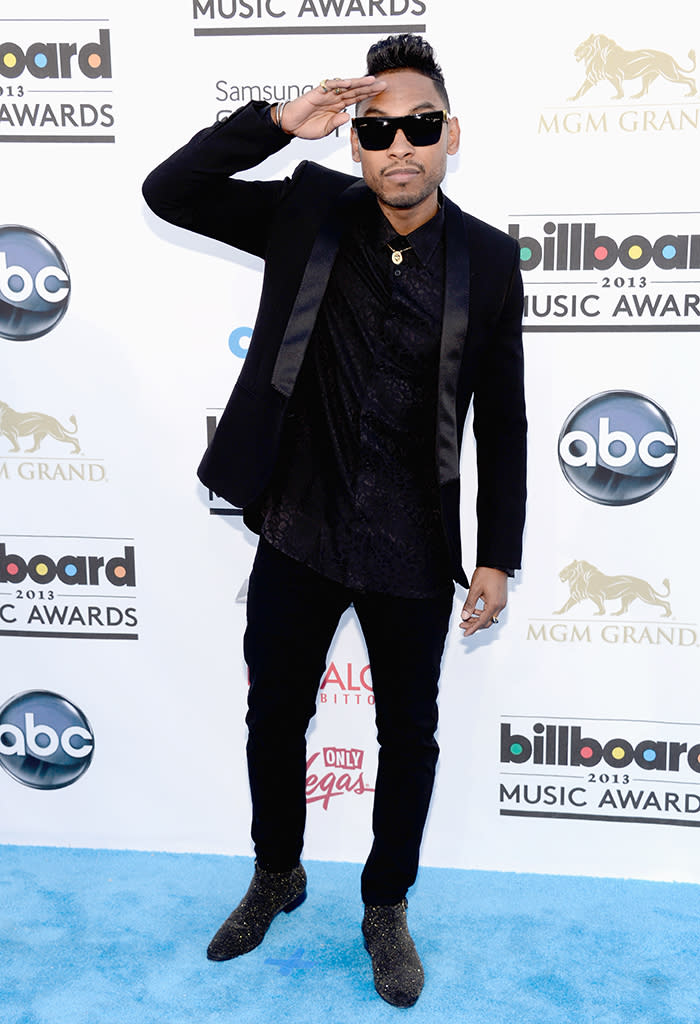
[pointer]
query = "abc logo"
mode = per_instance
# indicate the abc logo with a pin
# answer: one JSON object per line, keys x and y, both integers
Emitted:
{"x": 238, "y": 341}
{"x": 617, "y": 448}
{"x": 45, "y": 741}
{"x": 34, "y": 284}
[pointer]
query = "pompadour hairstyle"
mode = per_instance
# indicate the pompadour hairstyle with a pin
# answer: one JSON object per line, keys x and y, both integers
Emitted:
{"x": 398, "y": 53}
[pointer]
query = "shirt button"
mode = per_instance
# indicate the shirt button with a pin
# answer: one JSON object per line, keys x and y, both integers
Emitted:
{"x": 397, "y": 273}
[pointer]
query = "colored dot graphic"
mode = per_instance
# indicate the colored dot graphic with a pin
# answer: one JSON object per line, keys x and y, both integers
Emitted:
{"x": 634, "y": 252}
{"x": 71, "y": 570}
{"x": 12, "y": 568}
{"x": 120, "y": 572}
{"x": 618, "y": 753}
{"x": 525, "y": 253}
{"x": 41, "y": 569}
{"x": 649, "y": 755}
{"x": 516, "y": 748}
{"x": 40, "y": 60}
{"x": 600, "y": 252}
{"x": 669, "y": 251}
{"x": 586, "y": 752}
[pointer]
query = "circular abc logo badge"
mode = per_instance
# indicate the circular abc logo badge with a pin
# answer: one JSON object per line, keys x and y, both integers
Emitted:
{"x": 34, "y": 284}
{"x": 617, "y": 448}
{"x": 45, "y": 741}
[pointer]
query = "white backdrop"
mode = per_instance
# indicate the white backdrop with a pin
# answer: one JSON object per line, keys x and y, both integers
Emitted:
{"x": 154, "y": 335}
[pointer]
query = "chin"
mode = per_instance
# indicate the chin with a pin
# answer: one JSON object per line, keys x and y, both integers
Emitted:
{"x": 403, "y": 200}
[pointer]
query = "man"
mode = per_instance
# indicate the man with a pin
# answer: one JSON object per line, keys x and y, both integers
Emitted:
{"x": 383, "y": 309}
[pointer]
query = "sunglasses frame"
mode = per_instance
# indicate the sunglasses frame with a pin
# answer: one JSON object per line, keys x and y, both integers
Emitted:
{"x": 404, "y": 123}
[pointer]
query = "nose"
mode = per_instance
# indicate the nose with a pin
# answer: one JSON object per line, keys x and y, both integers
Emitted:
{"x": 400, "y": 147}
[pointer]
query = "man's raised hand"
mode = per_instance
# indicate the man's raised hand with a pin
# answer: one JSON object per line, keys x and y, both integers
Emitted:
{"x": 317, "y": 113}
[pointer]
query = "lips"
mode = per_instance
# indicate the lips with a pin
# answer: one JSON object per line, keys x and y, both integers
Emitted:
{"x": 401, "y": 174}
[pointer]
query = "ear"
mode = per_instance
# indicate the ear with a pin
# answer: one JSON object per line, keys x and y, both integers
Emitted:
{"x": 453, "y": 134}
{"x": 355, "y": 146}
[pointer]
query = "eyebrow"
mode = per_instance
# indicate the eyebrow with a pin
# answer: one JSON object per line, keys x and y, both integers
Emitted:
{"x": 378, "y": 112}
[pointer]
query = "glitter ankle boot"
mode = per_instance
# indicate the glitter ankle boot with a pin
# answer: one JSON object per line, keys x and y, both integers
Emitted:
{"x": 269, "y": 893}
{"x": 398, "y": 972}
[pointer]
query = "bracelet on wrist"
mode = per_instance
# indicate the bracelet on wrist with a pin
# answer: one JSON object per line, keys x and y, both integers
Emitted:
{"x": 278, "y": 114}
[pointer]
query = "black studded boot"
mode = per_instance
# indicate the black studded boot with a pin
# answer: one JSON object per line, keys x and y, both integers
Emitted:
{"x": 268, "y": 893}
{"x": 398, "y": 972}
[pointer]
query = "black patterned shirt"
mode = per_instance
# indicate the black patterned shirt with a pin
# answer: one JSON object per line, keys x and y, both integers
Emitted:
{"x": 355, "y": 492}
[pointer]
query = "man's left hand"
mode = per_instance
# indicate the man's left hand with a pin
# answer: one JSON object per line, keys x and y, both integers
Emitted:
{"x": 491, "y": 586}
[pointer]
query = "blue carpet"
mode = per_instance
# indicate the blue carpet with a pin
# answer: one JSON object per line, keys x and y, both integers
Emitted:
{"x": 105, "y": 937}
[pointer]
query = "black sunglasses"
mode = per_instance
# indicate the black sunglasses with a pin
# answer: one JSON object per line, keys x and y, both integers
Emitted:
{"x": 420, "y": 129}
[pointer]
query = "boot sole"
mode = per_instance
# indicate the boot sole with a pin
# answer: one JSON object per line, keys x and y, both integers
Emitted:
{"x": 296, "y": 902}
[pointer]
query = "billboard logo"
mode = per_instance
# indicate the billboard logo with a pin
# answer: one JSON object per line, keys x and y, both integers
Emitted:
{"x": 620, "y": 271}
{"x": 56, "y": 91}
{"x": 70, "y": 570}
{"x": 34, "y": 284}
{"x": 57, "y": 60}
{"x": 617, "y": 448}
{"x": 623, "y": 771}
{"x": 564, "y": 746}
{"x": 83, "y": 595}
{"x": 45, "y": 741}
{"x": 576, "y": 246}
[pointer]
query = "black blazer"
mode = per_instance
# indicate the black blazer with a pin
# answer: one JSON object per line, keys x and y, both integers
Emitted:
{"x": 295, "y": 225}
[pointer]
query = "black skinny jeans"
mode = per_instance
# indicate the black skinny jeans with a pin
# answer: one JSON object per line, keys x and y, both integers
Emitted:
{"x": 293, "y": 613}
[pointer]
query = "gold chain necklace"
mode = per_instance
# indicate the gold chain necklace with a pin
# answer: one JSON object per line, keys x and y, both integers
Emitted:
{"x": 397, "y": 254}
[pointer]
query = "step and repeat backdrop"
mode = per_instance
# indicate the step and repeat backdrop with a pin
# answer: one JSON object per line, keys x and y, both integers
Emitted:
{"x": 570, "y": 732}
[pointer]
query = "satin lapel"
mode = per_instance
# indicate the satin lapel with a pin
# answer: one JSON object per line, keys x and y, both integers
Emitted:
{"x": 313, "y": 285}
{"x": 455, "y": 319}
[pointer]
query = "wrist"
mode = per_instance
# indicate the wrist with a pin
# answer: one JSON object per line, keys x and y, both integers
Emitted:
{"x": 277, "y": 112}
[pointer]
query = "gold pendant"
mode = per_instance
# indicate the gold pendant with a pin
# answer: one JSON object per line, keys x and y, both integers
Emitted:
{"x": 396, "y": 256}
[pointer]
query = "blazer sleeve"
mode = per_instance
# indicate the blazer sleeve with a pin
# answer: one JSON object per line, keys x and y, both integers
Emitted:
{"x": 500, "y": 428}
{"x": 194, "y": 188}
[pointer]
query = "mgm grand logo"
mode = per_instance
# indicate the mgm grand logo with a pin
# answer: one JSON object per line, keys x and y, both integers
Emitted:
{"x": 62, "y": 440}
{"x": 606, "y": 63}
{"x": 613, "y": 596}
{"x": 588, "y": 583}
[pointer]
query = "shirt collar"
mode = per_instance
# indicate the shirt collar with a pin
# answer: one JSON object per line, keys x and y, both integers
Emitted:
{"x": 424, "y": 240}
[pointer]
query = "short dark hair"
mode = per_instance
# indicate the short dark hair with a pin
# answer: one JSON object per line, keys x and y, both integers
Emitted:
{"x": 398, "y": 53}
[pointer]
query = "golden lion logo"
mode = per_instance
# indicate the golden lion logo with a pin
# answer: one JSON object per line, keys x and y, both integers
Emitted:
{"x": 37, "y": 424}
{"x": 585, "y": 581}
{"x": 604, "y": 59}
